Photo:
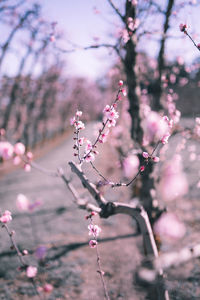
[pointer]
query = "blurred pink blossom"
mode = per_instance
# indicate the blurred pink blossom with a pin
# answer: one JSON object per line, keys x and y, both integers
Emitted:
{"x": 6, "y": 217}
{"x": 19, "y": 149}
{"x": 94, "y": 230}
{"x": 130, "y": 166}
{"x": 22, "y": 202}
{"x": 31, "y": 271}
{"x": 168, "y": 226}
{"x": 93, "y": 243}
{"x": 6, "y": 150}
{"x": 173, "y": 181}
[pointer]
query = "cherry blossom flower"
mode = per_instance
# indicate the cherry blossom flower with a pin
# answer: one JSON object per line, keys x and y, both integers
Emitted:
{"x": 130, "y": 166}
{"x": 142, "y": 168}
{"x": 165, "y": 138}
{"x": 16, "y": 160}
{"x": 168, "y": 226}
{"x": 173, "y": 181}
{"x": 93, "y": 243}
{"x": 72, "y": 121}
{"x": 120, "y": 83}
{"x": 79, "y": 113}
{"x": 48, "y": 288}
{"x": 6, "y": 217}
{"x": 154, "y": 127}
{"x": 145, "y": 154}
{"x": 81, "y": 141}
{"x": 31, "y": 271}
{"x": 89, "y": 157}
{"x": 94, "y": 230}
{"x": 182, "y": 27}
{"x": 19, "y": 149}
{"x": 6, "y": 150}
{"x": 88, "y": 146}
{"x": 22, "y": 202}
{"x": 110, "y": 113}
{"x": 27, "y": 167}
{"x": 29, "y": 155}
{"x": 156, "y": 159}
{"x": 79, "y": 125}
{"x": 111, "y": 123}
{"x": 103, "y": 137}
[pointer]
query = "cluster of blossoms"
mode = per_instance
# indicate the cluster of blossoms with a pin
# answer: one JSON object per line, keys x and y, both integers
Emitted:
{"x": 156, "y": 128}
{"x": 94, "y": 230}
{"x": 16, "y": 152}
{"x": 109, "y": 120}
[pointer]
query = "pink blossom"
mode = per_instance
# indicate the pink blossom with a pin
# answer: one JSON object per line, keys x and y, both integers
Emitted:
{"x": 25, "y": 252}
{"x": 169, "y": 226}
{"x": 130, "y": 166}
{"x": 52, "y": 38}
{"x": 156, "y": 159}
{"x": 154, "y": 127}
{"x": 182, "y": 27}
{"x": 145, "y": 154}
{"x": 89, "y": 157}
{"x": 16, "y": 160}
{"x": 103, "y": 137}
{"x": 29, "y": 155}
{"x": 6, "y": 150}
{"x": 22, "y": 202}
{"x": 110, "y": 113}
{"x": 111, "y": 123}
{"x": 125, "y": 35}
{"x": 79, "y": 113}
{"x": 173, "y": 181}
{"x": 94, "y": 230}
{"x": 48, "y": 288}
{"x": 79, "y": 125}
{"x": 88, "y": 146}
{"x": 6, "y": 217}
{"x": 19, "y": 149}
{"x": 72, "y": 121}
{"x": 120, "y": 83}
{"x": 27, "y": 167}
{"x": 165, "y": 138}
{"x": 124, "y": 92}
{"x": 93, "y": 243}
{"x": 81, "y": 141}
{"x": 142, "y": 168}
{"x": 31, "y": 271}
{"x": 134, "y": 2}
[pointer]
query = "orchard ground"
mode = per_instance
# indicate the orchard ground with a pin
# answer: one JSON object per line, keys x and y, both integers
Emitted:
{"x": 70, "y": 264}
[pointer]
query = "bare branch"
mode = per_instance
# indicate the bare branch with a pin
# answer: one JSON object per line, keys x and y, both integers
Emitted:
{"x": 87, "y": 184}
{"x": 116, "y": 10}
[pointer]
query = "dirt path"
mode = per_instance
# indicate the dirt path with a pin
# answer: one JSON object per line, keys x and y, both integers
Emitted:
{"x": 59, "y": 226}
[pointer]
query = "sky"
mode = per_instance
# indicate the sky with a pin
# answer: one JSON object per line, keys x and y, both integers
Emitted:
{"x": 80, "y": 24}
{"x": 81, "y": 21}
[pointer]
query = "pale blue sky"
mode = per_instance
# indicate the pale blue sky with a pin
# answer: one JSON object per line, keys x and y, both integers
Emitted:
{"x": 78, "y": 21}
{"x": 80, "y": 25}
